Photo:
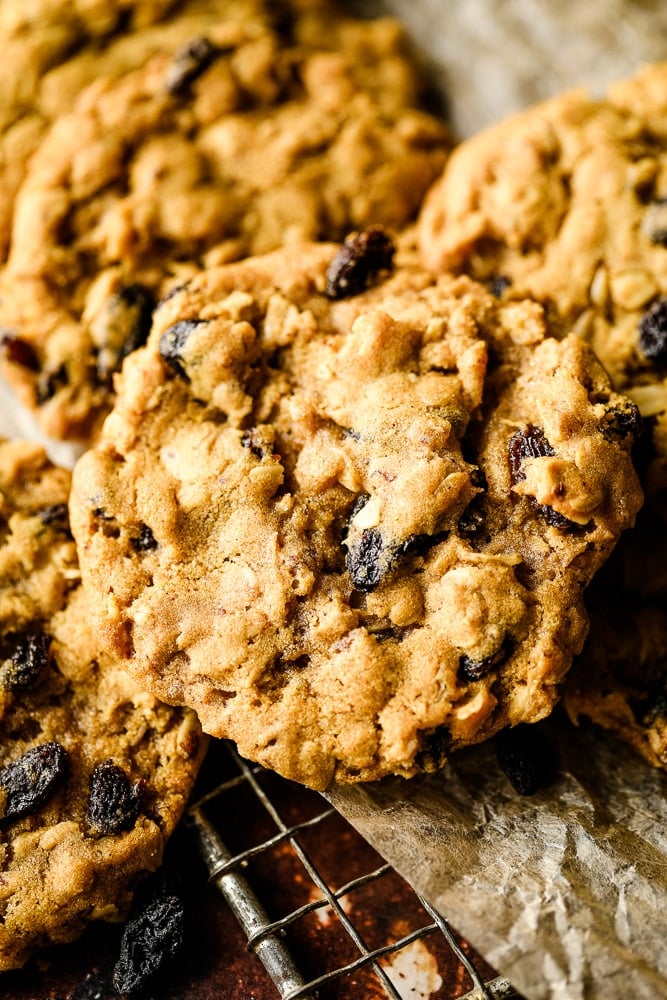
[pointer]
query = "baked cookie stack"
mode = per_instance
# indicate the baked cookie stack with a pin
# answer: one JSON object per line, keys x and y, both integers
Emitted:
{"x": 346, "y": 480}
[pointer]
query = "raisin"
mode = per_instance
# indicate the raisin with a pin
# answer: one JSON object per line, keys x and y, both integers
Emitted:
{"x": 474, "y": 670}
{"x": 653, "y": 332}
{"x": 173, "y": 341}
{"x": 657, "y": 222}
{"x": 32, "y": 779}
{"x": 419, "y": 545}
{"x": 150, "y": 938}
{"x": 367, "y": 560}
{"x": 190, "y": 62}
{"x": 531, "y": 442}
{"x": 647, "y": 711}
{"x": 28, "y": 657}
{"x": 49, "y": 383}
{"x": 471, "y": 520}
{"x": 436, "y": 746}
{"x": 359, "y": 261}
{"x": 252, "y": 440}
{"x": 526, "y": 757}
{"x": 20, "y": 352}
{"x": 498, "y": 285}
{"x": 127, "y": 323}
{"x": 620, "y": 422}
{"x": 145, "y": 541}
{"x": 113, "y": 801}
{"x": 56, "y": 515}
{"x": 528, "y": 443}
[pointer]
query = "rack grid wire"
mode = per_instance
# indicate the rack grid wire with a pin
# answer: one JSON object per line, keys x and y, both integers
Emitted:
{"x": 330, "y": 897}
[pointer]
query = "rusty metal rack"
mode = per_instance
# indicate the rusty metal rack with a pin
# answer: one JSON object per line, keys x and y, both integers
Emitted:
{"x": 275, "y": 939}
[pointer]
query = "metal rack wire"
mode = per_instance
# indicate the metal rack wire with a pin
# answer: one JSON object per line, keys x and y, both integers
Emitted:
{"x": 268, "y": 938}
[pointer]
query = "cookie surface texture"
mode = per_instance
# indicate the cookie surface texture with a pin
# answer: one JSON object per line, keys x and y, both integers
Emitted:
{"x": 94, "y": 772}
{"x": 233, "y": 140}
{"x": 370, "y": 512}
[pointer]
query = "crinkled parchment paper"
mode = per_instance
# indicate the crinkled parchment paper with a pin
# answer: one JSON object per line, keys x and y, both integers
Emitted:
{"x": 565, "y": 892}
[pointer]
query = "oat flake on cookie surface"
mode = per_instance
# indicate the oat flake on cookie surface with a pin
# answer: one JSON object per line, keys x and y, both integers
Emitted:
{"x": 94, "y": 772}
{"x": 234, "y": 135}
{"x": 347, "y": 511}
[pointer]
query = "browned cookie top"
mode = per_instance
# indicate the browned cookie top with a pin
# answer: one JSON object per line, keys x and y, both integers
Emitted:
{"x": 94, "y": 772}
{"x": 236, "y": 140}
{"x": 352, "y": 525}
{"x": 567, "y": 202}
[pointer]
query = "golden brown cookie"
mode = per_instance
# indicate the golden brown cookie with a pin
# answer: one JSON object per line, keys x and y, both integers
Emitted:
{"x": 236, "y": 140}
{"x": 94, "y": 772}
{"x": 350, "y": 525}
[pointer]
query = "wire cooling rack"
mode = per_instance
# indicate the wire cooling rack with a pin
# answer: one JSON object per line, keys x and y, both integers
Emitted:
{"x": 380, "y": 924}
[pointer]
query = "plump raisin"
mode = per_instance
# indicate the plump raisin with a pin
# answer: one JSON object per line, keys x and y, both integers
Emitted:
{"x": 113, "y": 801}
{"x": 419, "y": 545}
{"x": 126, "y": 324}
{"x": 20, "y": 352}
{"x": 359, "y": 262}
{"x": 653, "y": 332}
{"x": 150, "y": 938}
{"x": 145, "y": 541}
{"x": 621, "y": 422}
{"x": 531, "y": 442}
{"x": 31, "y": 780}
{"x": 473, "y": 670}
{"x": 367, "y": 559}
{"x": 526, "y": 757}
{"x": 55, "y": 515}
{"x": 28, "y": 654}
{"x": 173, "y": 341}
{"x": 190, "y": 62}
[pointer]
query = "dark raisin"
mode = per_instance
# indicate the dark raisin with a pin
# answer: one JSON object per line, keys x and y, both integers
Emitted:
{"x": 526, "y": 757}
{"x": 145, "y": 541}
{"x": 498, "y": 285}
{"x": 656, "y": 222}
{"x": 474, "y": 670}
{"x": 649, "y": 710}
{"x": 190, "y": 62}
{"x": 56, "y": 515}
{"x": 621, "y": 421}
{"x": 419, "y": 545}
{"x": 653, "y": 332}
{"x": 252, "y": 440}
{"x": 29, "y": 654}
{"x": 359, "y": 261}
{"x": 150, "y": 938}
{"x": 20, "y": 352}
{"x": 113, "y": 801}
{"x": 49, "y": 383}
{"x": 367, "y": 560}
{"x": 32, "y": 779}
{"x": 127, "y": 322}
{"x": 436, "y": 746}
{"x": 173, "y": 341}
{"x": 531, "y": 442}
{"x": 471, "y": 521}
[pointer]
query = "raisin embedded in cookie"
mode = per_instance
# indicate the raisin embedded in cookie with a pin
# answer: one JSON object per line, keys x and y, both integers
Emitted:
{"x": 566, "y": 202}
{"x": 350, "y": 521}
{"x": 94, "y": 772}
{"x": 236, "y": 140}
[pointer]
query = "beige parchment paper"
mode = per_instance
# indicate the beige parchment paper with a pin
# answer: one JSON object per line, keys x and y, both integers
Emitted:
{"x": 565, "y": 892}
